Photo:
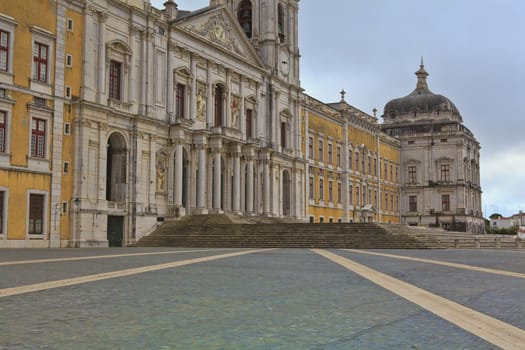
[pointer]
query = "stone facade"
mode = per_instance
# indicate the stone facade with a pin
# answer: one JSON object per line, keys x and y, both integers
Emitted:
{"x": 440, "y": 179}
{"x": 149, "y": 115}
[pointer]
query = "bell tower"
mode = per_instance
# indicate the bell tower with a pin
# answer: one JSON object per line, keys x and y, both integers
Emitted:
{"x": 272, "y": 26}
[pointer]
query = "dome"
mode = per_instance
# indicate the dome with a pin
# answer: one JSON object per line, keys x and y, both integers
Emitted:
{"x": 421, "y": 104}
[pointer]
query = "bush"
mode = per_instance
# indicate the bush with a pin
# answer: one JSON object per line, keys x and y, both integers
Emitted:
{"x": 505, "y": 231}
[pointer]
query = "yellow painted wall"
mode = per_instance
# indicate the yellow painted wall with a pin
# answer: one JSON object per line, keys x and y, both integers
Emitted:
{"x": 27, "y": 14}
{"x": 40, "y": 13}
{"x": 19, "y": 183}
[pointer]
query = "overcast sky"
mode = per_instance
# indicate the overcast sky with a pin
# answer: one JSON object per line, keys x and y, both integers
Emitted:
{"x": 473, "y": 50}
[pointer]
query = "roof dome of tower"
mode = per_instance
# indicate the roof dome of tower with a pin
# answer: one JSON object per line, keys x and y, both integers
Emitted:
{"x": 420, "y": 105}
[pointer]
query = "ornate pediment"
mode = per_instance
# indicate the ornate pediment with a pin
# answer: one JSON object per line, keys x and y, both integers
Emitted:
{"x": 219, "y": 27}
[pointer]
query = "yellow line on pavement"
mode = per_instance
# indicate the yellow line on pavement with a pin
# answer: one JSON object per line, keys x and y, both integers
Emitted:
{"x": 488, "y": 328}
{"x": 444, "y": 263}
{"x": 35, "y": 261}
{"x": 114, "y": 274}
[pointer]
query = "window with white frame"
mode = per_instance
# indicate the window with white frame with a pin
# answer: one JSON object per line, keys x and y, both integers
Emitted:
{"x": 38, "y": 138}
{"x": 4, "y": 50}
{"x": 3, "y": 130}
{"x": 7, "y": 35}
{"x": 40, "y": 62}
{"x": 330, "y": 191}
{"x": 115, "y": 80}
{"x": 36, "y": 214}
{"x": 321, "y": 150}
{"x": 311, "y": 147}
{"x": 321, "y": 189}
{"x": 311, "y": 187}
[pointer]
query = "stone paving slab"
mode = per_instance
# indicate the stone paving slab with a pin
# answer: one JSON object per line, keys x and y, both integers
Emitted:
{"x": 278, "y": 299}
{"x": 502, "y": 297}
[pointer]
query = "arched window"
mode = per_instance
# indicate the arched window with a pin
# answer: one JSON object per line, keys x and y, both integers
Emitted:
{"x": 219, "y": 105}
{"x": 244, "y": 15}
{"x": 280, "y": 23}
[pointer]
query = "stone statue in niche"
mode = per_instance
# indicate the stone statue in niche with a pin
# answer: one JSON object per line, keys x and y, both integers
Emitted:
{"x": 236, "y": 109}
{"x": 201, "y": 105}
{"x": 161, "y": 173}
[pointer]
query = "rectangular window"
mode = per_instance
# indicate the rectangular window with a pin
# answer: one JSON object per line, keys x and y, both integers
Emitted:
{"x": 179, "y": 100}
{"x": 311, "y": 147}
{"x": 36, "y": 214}
{"x": 320, "y": 150}
{"x": 445, "y": 172}
{"x": 412, "y": 174}
{"x": 357, "y": 196}
{"x": 70, "y": 24}
{"x": 249, "y": 115}
{"x": 375, "y": 167}
{"x": 412, "y": 203}
{"x": 4, "y": 51}
{"x": 321, "y": 189}
{"x": 66, "y": 168}
{"x": 283, "y": 135}
{"x": 369, "y": 165}
{"x": 339, "y": 193}
{"x": 350, "y": 195}
{"x": 330, "y": 191}
{"x": 385, "y": 176}
{"x": 115, "y": 73}
{"x": 311, "y": 188}
{"x": 356, "y": 161}
{"x": 330, "y": 155}
{"x": 219, "y": 105}
{"x": 67, "y": 129}
{"x": 65, "y": 208}
{"x": 3, "y": 130}
{"x": 445, "y": 202}
{"x": 350, "y": 159}
{"x": 69, "y": 60}
{"x": 38, "y": 138}
{"x": 338, "y": 156}
{"x": 40, "y": 61}
{"x": 391, "y": 173}
{"x": 68, "y": 91}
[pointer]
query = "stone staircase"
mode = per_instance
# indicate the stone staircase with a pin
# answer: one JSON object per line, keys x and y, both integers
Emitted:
{"x": 221, "y": 231}
{"x": 227, "y": 231}
{"x": 438, "y": 238}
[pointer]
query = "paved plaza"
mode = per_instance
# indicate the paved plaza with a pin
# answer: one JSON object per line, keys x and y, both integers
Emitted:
{"x": 146, "y": 298}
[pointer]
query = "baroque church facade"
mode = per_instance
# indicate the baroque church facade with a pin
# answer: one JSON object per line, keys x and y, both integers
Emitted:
{"x": 125, "y": 116}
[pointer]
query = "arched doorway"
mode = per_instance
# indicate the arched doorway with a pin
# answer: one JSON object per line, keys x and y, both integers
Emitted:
{"x": 116, "y": 167}
{"x": 286, "y": 193}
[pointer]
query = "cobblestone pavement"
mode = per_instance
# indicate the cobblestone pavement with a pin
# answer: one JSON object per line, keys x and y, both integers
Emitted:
{"x": 274, "y": 299}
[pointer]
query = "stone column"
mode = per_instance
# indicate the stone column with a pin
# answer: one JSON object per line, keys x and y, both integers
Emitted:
{"x": 101, "y": 69}
{"x": 217, "y": 181}
{"x": 193, "y": 96}
{"x": 228, "y": 122}
{"x": 267, "y": 188}
{"x": 236, "y": 205}
{"x": 201, "y": 181}
{"x": 209, "y": 99}
{"x": 250, "y": 187}
{"x": 178, "y": 176}
{"x": 170, "y": 85}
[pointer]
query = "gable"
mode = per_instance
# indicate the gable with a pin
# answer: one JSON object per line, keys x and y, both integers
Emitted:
{"x": 218, "y": 27}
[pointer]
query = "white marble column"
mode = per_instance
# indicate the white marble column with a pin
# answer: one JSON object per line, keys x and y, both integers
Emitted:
{"x": 170, "y": 85}
{"x": 267, "y": 188}
{"x": 250, "y": 187}
{"x": 101, "y": 69}
{"x": 209, "y": 99}
{"x": 236, "y": 205}
{"x": 178, "y": 174}
{"x": 228, "y": 122}
{"x": 217, "y": 181}
{"x": 201, "y": 194}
